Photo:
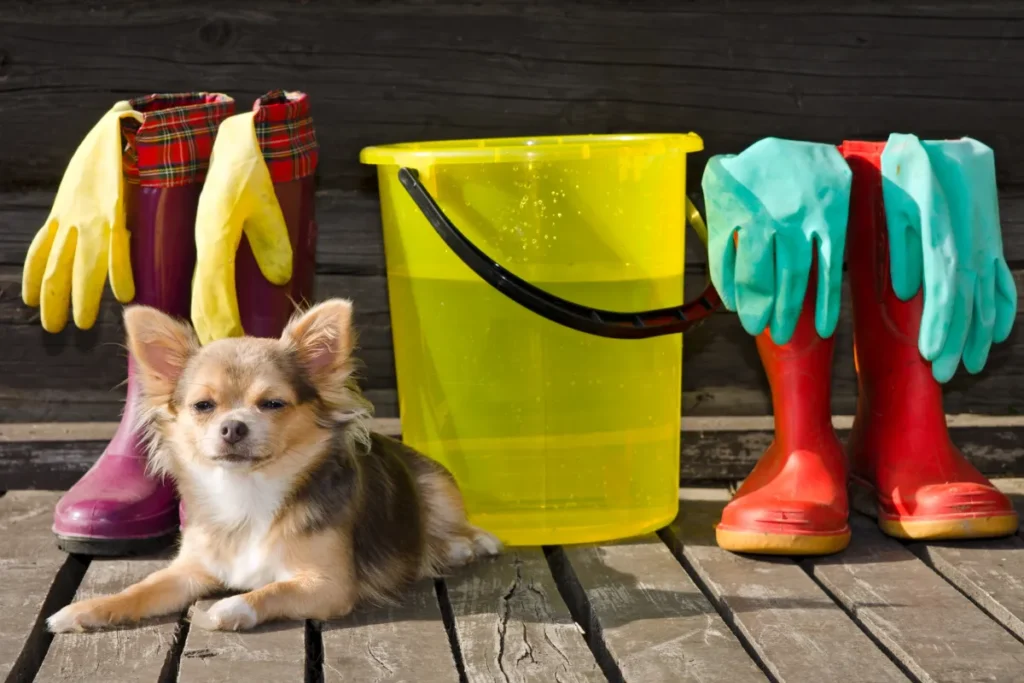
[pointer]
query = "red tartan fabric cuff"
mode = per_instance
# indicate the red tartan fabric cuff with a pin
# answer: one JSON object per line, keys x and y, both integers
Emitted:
{"x": 172, "y": 145}
{"x": 284, "y": 129}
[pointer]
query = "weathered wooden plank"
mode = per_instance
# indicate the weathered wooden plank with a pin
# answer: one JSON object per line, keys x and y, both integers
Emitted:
{"x": 36, "y": 368}
{"x": 711, "y": 449}
{"x": 785, "y": 618}
{"x": 77, "y": 375}
{"x": 649, "y": 620}
{"x": 512, "y": 625}
{"x": 54, "y": 456}
{"x": 147, "y": 652}
{"x": 273, "y": 652}
{"x": 404, "y": 643}
{"x": 935, "y": 632}
{"x": 1013, "y": 487}
{"x": 989, "y": 572}
{"x": 419, "y": 70}
{"x": 38, "y": 580}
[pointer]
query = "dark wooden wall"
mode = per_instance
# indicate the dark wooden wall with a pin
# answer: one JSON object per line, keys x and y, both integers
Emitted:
{"x": 387, "y": 71}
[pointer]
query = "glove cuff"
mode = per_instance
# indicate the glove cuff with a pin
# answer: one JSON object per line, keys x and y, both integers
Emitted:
{"x": 284, "y": 129}
{"x": 171, "y": 147}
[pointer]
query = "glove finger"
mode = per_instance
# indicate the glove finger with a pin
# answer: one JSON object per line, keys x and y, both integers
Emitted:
{"x": 792, "y": 270}
{"x": 940, "y": 263}
{"x": 215, "y": 300}
{"x": 196, "y": 314}
{"x": 723, "y": 268}
{"x": 983, "y": 319}
{"x": 35, "y": 262}
{"x": 830, "y": 284}
{"x": 122, "y": 283}
{"x": 726, "y": 215}
{"x": 267, "y": 231}
{"x": 944, "y": 366}
{"x": 755, "y": 280}
{"x": 939, "y": 310}
{"x": 906, "y": 266}
{"x": 1006, "y": 302}
{"x": 89, "y": 276}
{"x": 218, "y": 234}
{"x": 55, "y": 295}
{"x": 272, "y": 250}
{"x": 903, "y": 220}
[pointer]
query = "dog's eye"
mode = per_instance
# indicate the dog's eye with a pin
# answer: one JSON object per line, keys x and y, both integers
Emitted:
{"x": 271, "y": 404}
{"x": 203, "y": 406}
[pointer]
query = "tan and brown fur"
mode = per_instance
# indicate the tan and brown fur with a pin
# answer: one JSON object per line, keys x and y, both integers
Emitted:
{"x": 287, "y": 494}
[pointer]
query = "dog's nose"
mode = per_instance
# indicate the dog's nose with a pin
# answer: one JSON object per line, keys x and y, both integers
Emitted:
{"x": 233, "y": 431}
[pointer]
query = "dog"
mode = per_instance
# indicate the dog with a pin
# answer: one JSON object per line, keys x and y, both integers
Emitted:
{"x": 289, "y": 496}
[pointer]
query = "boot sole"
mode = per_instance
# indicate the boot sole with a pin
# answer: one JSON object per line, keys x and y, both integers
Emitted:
{"x": 116, "y": 547}
{"x": 950, "y": 529}
{"x": 759, "y": 543}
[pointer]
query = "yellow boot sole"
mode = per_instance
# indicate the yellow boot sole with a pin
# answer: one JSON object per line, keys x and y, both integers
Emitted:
{"x": 759, "y": 543}
{"x": 950, "y": 529}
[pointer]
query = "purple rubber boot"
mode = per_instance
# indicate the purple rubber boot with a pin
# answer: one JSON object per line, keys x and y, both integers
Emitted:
{"x": 285, "y": 132}
{"x": 116, "y": 509}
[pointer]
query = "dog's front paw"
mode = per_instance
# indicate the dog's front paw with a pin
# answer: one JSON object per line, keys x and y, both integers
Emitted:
{"x": 76, "y": 618}
{"x": 485, "y": 544}
{"x": 229, "y": 614}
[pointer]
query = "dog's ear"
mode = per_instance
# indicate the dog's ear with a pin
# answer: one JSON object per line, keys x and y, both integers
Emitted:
{"x": 323, "y": 340}
{"x": 161, "y": 346}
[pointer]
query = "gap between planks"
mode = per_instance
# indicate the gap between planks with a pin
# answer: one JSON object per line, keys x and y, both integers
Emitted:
{"x": 819, "y": 569}
{"x": 391, "y": 426}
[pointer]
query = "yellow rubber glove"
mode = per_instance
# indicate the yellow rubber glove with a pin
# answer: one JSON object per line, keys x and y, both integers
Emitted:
{"x": 238, "y": 196}
{"x": 84, "y": 236}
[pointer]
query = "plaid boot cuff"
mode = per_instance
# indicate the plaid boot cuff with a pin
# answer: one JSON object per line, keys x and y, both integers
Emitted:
{"x": 284, "y": 129}
{"x": 171, "y": 147}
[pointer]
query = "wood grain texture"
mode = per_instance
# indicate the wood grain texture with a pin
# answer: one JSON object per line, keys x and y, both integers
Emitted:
{"x": 785, "y": 618}
{"x": 989, "y": 572}
{"x": 649, "y": 617}
{"x": 37, "y": 580}
{"x": 78, "y": 375}
{"x": 133, "y": 653}
{"x": 935, "y": 632}
{"x": 382, "y": 72}
{"x": 706, "y": 455}
{"x": 513, "y": 626}
{"x": 402, "y": 644}
{"x": 273, "y": 652}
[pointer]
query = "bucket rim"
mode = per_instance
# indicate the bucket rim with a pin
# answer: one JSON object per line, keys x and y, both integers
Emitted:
{"x": 530, "y": 148}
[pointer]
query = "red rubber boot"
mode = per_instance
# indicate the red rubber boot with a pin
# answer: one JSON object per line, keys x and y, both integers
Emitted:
{"x": 287, "y": 138}
{"x": 116, "y": 508}
{"x": 903, "y": 463}
{"x": 794, "y": 502}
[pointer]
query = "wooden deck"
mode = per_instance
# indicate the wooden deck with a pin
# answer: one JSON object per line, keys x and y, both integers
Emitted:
{"x": 666, "y": 607}
{"x": 669, "y": 607}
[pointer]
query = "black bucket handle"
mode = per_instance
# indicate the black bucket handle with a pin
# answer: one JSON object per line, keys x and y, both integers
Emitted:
{"x": 617, "y": 325}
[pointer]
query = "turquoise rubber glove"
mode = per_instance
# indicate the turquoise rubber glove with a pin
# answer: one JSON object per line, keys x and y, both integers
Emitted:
{"x": 768, "y": 209}
{"x": 942, "y": 209}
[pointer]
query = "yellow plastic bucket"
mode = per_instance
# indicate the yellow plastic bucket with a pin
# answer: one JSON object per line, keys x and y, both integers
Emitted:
{"x": 557, "y": 433}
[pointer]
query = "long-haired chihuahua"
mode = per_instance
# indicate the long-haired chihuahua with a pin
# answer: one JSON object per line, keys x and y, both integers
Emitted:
{"x": 288, "y": 495}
